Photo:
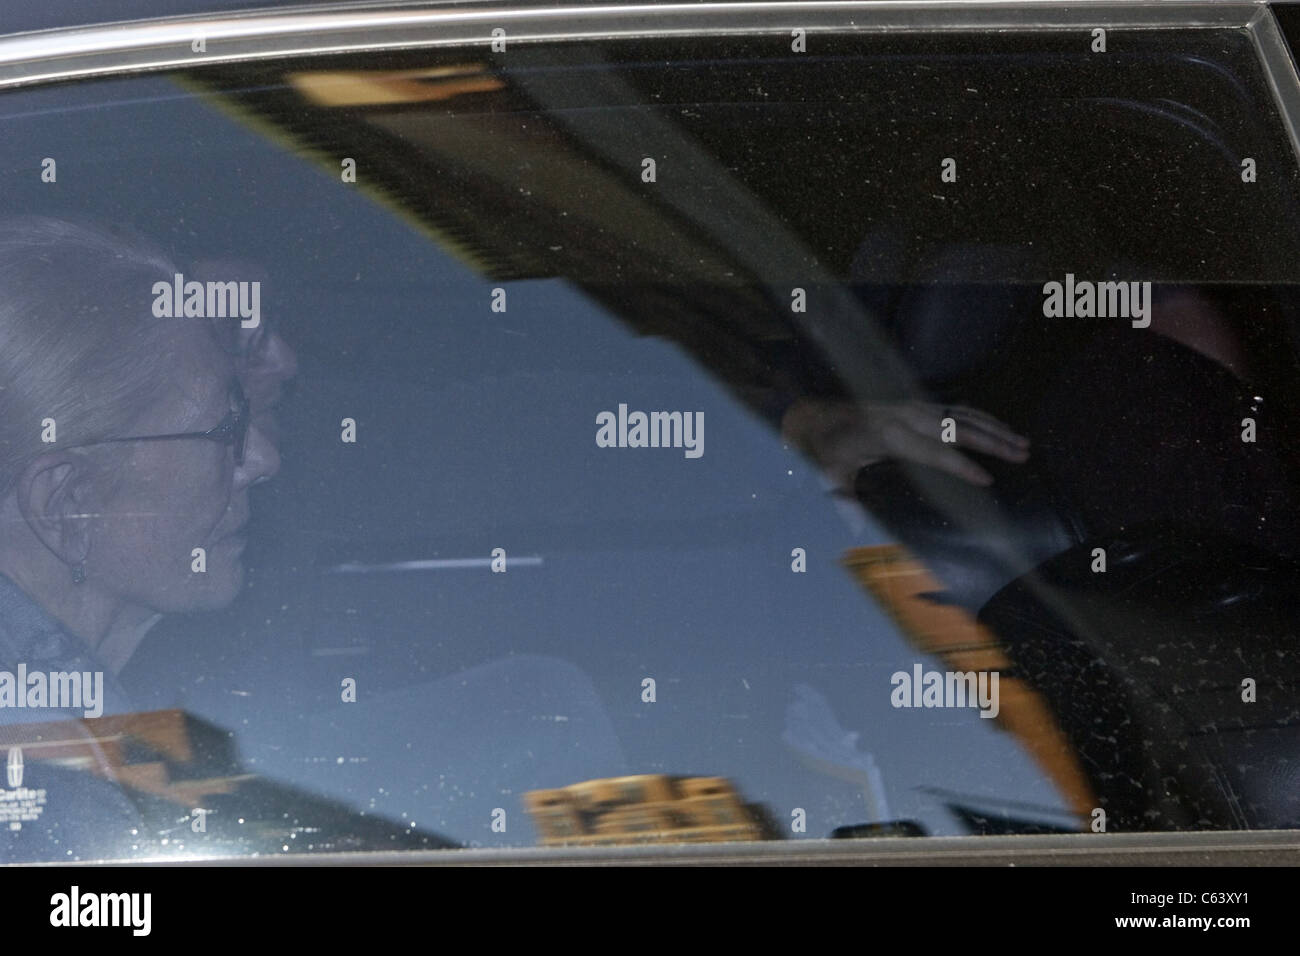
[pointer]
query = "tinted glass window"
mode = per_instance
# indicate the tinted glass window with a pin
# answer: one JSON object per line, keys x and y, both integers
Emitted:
{"x": 650, "y": 441}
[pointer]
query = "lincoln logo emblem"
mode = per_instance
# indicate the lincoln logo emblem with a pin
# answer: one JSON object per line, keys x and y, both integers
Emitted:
{"x": 14, "y": 767}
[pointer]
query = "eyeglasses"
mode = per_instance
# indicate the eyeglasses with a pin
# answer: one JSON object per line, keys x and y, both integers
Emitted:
{"x": 231, "y": 430}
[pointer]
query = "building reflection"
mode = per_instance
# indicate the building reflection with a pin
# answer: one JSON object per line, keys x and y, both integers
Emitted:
{"x": 184, "y": 778}
{"x": 648, "y": 808}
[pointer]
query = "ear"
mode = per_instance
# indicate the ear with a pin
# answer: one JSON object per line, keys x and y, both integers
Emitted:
{"x": 54, "y": 492}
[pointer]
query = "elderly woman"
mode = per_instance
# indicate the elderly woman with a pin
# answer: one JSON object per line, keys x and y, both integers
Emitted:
{"x": 127, "y": 449}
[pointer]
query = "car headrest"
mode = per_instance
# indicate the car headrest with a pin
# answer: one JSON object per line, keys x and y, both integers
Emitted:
{"x": 959, "y": 306}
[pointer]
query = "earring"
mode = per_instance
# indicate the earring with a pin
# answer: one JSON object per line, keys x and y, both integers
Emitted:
{"x": 78, "y": 573}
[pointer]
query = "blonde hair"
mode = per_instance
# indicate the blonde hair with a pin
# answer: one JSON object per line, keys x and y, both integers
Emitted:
{"x": 78, "y": 339}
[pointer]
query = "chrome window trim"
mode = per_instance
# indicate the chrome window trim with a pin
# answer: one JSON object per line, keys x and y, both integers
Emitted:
{"x": 1192, "y": 848}
{"x": 1279, "y": 71}
{"x": 147, "y": 45}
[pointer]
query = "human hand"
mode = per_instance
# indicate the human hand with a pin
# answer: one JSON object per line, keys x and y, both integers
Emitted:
{"x": 843, "y": 437}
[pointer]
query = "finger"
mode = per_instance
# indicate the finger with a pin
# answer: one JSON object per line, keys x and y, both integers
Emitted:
{"x": 972, "y": 416}
{"x": 973, "y": 429}
{"x": 905, "y": 443}
{"x": 976, "y": 439}
{"x": 989, "y": 424}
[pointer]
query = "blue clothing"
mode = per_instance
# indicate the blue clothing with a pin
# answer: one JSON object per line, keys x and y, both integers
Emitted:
{"x": 51, "y": 813}
{"x": 28, "y": 635}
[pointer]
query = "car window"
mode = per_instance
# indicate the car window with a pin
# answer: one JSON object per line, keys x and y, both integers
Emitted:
{"x": 658, "y": 440}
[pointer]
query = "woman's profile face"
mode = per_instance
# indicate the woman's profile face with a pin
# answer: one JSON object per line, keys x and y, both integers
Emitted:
{"x": 163, "y": 500}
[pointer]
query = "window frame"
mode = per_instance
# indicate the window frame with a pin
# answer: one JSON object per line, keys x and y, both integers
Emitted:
{"x": 29, "y": 60}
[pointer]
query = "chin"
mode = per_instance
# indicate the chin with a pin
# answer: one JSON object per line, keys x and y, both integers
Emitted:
{"x": 218, "y": 588}
{"x": 228, "y": 586}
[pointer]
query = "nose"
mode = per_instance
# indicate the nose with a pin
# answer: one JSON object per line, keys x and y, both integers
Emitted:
{"x": 261, "y": 459}
{"x": 263, "y": 373}
{"x": 280, "y": 359}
